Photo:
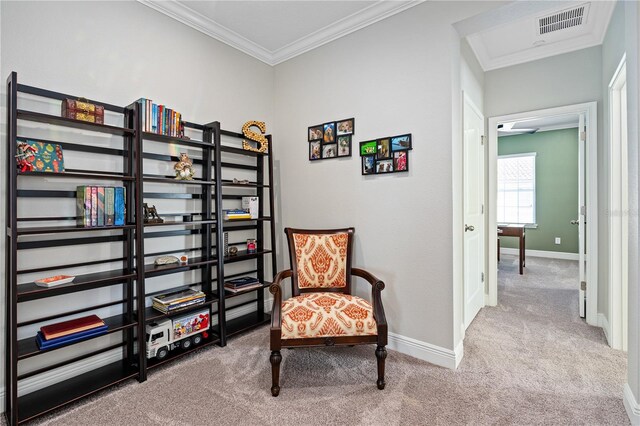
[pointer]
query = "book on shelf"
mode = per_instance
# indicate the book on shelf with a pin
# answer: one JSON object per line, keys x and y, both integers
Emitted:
{"x": 66, "y": 328}
{"x": 167, "y": 309}
{"x": 159, "y": 119}
{"x": 241, "y": 281}
{"x": 179, "y": 296}
{"x": 83, "y": 205}
{"x": 101, "y": 210}
{"x": 119, "y": 206}
{"x": 236, "y": 214}
{"x": 94, "y": 206}
{"x": 243, "y": 288}
{"x": 109, "y": 206}
{"x": 100, "y": 206}
{"x": 70, "y": 338}
{"x": 250, "y": 204}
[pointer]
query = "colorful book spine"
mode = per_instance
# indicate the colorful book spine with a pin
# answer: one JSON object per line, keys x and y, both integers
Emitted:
{"x": 119, "y": 206}
{"x": 94, "y": 206}
{"x": 81, "y": 206}
{"x": 109, "y": 198}
{"x": 87, "y": 206}
{"x": 101, "y": 210}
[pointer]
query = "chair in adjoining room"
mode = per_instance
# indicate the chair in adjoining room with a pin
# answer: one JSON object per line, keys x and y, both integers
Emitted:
{"x": 322, "y": 310}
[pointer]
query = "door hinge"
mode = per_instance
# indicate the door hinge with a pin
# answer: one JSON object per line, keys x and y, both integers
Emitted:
{"x": 583, "y": 285}
{"x": 481, "y": 208}
{"x": 481, "y": 139}
{"x": 583, "y": 136}
{"x": 482, "y": 277}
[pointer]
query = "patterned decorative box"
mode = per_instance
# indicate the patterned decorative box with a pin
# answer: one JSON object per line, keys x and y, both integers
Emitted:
{"x": 82, "y": 110}
{"x": 35, "y": 156}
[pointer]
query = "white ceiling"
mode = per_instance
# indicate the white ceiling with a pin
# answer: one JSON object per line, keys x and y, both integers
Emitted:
{"x": 539, "y": 124}
{"x": 509, "y": 35}
{"x": 274, "y": 31}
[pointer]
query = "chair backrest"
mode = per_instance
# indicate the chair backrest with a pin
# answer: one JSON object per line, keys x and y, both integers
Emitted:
{"x": 320, "y": 259}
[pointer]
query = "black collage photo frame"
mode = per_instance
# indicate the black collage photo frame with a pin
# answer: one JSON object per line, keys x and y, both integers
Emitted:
{"x": 331, "y": 140}
{"x": 386, "y": 155}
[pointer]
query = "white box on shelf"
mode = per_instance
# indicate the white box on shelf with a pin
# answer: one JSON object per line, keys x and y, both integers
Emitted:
{"x": 250, "y": 204}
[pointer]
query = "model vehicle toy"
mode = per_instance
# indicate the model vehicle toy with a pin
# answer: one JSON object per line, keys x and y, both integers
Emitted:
{"x": 172, "y": 333}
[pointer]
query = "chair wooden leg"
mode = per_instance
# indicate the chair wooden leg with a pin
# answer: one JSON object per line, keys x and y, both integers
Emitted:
{"x": 275, "y": 359}
{"x": 381, "y": 354}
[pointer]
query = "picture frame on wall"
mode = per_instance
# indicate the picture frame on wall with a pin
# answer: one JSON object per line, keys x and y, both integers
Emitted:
{"x": 344, "y": 146}
{"x": 329, "y": 150}
{"x": 368, "y": 165}
{"x": 329, "y": 130}
{"x": 315, "y": 133}
{"x": 331, "y": 139}
{"x": 315, "y": 151}
{"x": 368, "y": 148}
{"x": 384, "y": 166}
{"x": 345, "y": 127}
{"x": 401, "y": 142}
{"x": 386, "y": 155}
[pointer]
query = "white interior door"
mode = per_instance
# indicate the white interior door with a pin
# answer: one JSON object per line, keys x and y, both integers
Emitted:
{"x": 473, "y": 189}
{"x": 581, "y": 221}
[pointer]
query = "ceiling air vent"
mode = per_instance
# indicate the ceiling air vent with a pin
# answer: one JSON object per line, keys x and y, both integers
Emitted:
{"x": 563, "y": 19}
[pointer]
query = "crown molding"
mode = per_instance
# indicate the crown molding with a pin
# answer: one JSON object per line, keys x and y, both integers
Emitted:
{"x": 347, "y": 25}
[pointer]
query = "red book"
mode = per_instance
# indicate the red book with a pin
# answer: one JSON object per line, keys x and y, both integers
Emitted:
{"x": 72, "y": 326}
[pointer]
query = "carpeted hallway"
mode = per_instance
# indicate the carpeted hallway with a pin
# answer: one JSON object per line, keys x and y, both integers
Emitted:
{"x": 530, "y": 360}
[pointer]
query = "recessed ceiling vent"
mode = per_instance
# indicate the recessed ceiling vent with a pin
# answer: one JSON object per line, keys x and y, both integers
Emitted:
{"x": 568, "y": 18}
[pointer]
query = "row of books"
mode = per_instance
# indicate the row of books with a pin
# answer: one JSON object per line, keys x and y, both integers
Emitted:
{"x": 170, "y": 302}
{"x": 100, "y": 205}
{"x": 235, "y": 214}
{"x": 160, "y": 119}
{"x": 62, "y": 333}
{"x": 237, "y": 285}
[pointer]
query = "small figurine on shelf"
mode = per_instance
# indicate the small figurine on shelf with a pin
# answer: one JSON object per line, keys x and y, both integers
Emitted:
{"x": 151, "y": 214}
{"x": 184, "y": 168}
{"x": 251, "y": 245}
{"x": 233, "y": 250}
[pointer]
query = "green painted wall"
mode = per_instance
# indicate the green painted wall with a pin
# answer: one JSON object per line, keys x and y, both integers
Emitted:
{"x": 556, "y": 187}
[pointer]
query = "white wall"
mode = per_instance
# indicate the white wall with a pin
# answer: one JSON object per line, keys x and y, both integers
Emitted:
{"x": 117, "y": 52}
{"x": 401, "y": 75}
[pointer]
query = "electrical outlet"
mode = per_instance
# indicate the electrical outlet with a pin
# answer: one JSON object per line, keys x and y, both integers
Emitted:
{"x": 557, "y": 240}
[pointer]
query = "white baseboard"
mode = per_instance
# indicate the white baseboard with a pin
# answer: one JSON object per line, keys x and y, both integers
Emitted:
{"x": 58, "y": 375}
{"x": 542, "y": 253}
{"x": 604, "y": 324}
{"x": 459, "y": 352}
{"x": 426, "y": 351}
{"x": 631, "y": 405}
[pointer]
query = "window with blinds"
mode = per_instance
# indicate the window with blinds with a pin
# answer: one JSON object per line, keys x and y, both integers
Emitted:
{"x": 517, "y": 188}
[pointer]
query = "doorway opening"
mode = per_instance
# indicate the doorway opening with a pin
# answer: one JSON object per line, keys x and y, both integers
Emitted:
{"x": 587, "y": 133}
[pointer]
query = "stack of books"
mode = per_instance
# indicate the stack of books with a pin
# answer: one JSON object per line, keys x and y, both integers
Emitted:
{"x": 170, "y": 302}
{"x": 100, "y": 205}
{"x": 242, "y": 284}
{"x": 62, "y": 333}
{"x": 236, "y": 214}
{"x": 160, "y": 120}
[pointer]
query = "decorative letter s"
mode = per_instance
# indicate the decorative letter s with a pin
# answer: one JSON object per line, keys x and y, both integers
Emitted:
{"x": 262, "y": 141}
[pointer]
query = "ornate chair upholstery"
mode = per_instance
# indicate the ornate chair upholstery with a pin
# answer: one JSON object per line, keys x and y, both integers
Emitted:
{"x": 322, "y": 311}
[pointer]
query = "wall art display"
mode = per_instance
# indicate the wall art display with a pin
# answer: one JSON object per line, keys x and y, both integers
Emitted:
{"x": 386, "y": 155}
{"x": 331, "y": 140}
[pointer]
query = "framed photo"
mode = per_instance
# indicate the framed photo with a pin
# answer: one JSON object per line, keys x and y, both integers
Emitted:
{"x": 384, "y": 166}
{"x": 384, "y": 150}
{"x": 314, "y": 151}
{"x": 330, "y": 150}
{"x": 368, "y": 148}
{"x": 344, "y": 146}
{"x": 345, "y": 127}
{"x": 402, "y": 142}
{"x": 368, "y": 164}
{"x": 329, "y": 132}
{"x": 315, "y": 133}
{"x": 400, "y": 161}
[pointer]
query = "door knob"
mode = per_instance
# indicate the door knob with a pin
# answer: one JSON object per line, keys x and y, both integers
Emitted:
{"x": 468, "y": 228}
{"x": 575, "y": 221}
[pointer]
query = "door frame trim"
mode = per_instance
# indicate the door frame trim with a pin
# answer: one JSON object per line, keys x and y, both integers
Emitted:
{"x": 617, "y": 213}
{"x": 590, "y": 111}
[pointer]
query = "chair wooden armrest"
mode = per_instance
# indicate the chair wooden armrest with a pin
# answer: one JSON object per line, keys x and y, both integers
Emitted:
{"x": 276, "y": 289}
{"x": 377, "y": 286}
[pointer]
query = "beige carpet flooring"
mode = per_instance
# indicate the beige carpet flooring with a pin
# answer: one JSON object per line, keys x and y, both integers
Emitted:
{"x": 529, "y": 360}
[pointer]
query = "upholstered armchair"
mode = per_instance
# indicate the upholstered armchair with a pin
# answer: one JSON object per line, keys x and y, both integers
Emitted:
{"x": 322, "y": 311}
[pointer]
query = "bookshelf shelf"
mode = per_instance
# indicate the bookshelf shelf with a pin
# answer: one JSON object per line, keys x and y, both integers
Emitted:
{"x": 152, "y": 270}
{"x": 173, "y": 139}
{"x": 247, "y": 322}
{"x": 28, "y": 347}
{"x": 181, "y": 223}
{"x": 79, "y": 174}
{"x": 151, "y": 314}
{"x": 75, "y": 228}
{"x": 68, "y": 122}
{"x": 229, "y": 295}
{"x": 171, "y": 180}
{"x": 45, "y": 400}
